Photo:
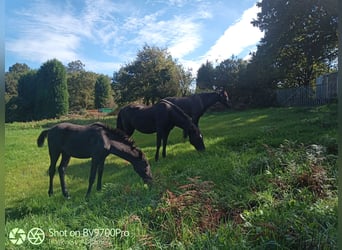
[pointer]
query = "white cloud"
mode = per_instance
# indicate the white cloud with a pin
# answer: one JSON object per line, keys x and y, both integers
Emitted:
{"x": 236, "y": 38}
{"x": 48, "y": 29}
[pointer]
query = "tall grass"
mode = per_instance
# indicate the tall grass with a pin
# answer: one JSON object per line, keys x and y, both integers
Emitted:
{"x": 266, "y": 181}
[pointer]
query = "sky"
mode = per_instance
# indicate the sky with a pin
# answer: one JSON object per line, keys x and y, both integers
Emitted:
{"x": 107, "y": 34}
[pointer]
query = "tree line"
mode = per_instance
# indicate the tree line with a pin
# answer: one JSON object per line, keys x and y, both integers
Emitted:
{"x": 53, "y": 90}
{"x": 299, "y": 44}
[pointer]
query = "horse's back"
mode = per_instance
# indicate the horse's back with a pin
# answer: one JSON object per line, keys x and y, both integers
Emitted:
{"x": 137, "y": 116}
{"x": 187, "y": 103}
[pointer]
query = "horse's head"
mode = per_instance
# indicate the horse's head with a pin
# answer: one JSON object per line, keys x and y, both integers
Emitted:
{"x": 142, "y": 166}
{"x": 224, "y": 98}
{"x": 196, "y": 138}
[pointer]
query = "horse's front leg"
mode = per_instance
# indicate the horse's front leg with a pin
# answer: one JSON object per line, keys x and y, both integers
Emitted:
{"x": 61, "y": 169}
{"x": 159, "y": 138}
{"x": 99, "y": 175}
{"x": 165, "y": 137}
{"x": 92, "y": 175}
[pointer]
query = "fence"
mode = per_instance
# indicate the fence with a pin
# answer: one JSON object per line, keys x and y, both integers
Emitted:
{"x": 325, "y": 91}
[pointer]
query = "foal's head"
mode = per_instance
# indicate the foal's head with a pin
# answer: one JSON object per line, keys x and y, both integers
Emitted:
{"x": 196, "y": 138}
{"x": 142, "y": 166}
{"x": 137, "y": 157}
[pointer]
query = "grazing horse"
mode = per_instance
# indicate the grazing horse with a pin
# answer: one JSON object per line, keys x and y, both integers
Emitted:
{"x": 94, "y": 141}
{"x": 160, "y": 118}
{"x": 195, "y": 105}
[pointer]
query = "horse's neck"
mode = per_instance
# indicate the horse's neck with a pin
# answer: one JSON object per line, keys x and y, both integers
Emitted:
{"x": 122, "y": 150}
{"x": 181, "y": 119}
{"x": 208, "y": 99}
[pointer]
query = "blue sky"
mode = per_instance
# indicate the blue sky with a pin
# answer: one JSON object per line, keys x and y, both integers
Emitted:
{"x": 107, "y": 34}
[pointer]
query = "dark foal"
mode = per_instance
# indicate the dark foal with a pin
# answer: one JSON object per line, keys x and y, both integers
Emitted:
{"x": 95, "y": 141}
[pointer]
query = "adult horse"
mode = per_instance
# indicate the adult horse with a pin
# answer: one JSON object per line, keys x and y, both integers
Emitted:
{"x": 159, "y": 118}
{"x": 94, "y": 141}
{"x": 195, "y": 105}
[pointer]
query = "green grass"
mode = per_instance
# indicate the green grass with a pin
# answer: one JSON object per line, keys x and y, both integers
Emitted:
{"x": 267, "y": 180}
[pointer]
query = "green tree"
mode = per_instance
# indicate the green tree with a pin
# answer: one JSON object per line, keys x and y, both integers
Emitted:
{"x": 12, "y": 77}
{"x": 75, "y": 66}
{"x": 81, "y": 86}
{"x": 186, "y": 79}
{"x": 227, "y": 73}
{"x": 152, "y": 76}
{"x": 205, "y": 76}
{"x": 52, "y": 91}
{"x": 102, "y": 91}
{"x": 26, "y": 96}
{"x": 300, "y": 37}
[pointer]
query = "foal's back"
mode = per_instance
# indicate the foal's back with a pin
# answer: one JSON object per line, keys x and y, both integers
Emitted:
{"x": 76, "y": 140}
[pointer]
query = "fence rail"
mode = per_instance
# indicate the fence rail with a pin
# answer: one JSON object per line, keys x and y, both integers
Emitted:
{"x": 324, "y": 92}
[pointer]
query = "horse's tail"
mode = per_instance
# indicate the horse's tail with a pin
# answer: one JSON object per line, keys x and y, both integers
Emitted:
{"x": 41, "y": 138}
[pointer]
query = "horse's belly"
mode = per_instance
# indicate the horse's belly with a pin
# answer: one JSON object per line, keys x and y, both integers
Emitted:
{"x": 146, "y": 130}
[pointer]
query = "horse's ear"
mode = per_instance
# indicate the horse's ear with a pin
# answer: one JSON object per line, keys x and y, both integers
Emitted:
{"x": 106, "y": 141}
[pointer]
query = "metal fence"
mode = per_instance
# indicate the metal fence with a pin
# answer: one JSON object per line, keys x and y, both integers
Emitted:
{"x": 325, "y": 91}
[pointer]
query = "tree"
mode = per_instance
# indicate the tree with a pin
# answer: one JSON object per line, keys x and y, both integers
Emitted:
{"x": 81, "y": 88}
{"x": 185, "y": 81}
{"x": 102, "y": 91}
{"x": 52, "y": 91}
{"x": 27, "y": 87}
{"x": 12, "y": 77}
{"x": 226, "y": 74}
{"x": 152, "y": 76}
{"x": 75, "y": 66}
{"x": 205, "y": 76}
{"x": 300, "y": 37}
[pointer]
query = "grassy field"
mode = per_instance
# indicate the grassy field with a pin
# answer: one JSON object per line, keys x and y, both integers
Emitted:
{"x": 268, "y": 180}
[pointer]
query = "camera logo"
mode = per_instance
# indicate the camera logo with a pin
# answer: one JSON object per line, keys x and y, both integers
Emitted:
{"x": 35, "y": 236}
{"x": 17, "y": 236}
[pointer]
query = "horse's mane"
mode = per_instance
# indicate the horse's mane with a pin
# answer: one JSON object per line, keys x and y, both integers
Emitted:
{"x": 116, "y": 134}
{"x": 178, "y": 109}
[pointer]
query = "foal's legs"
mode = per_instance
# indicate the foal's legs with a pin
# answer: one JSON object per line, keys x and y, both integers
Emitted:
{"x": 93, "y": 169}
{"x": 99, "y": 175}
{"x": 61, "y": 169}
{"x": 159, "y": 138}
{"x": 52, "y": 169}
{"x": 162, "y": 135}
{"x": 165, "y": 136}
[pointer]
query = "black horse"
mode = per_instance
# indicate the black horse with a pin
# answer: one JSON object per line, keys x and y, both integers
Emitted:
{"x": 195, "y": 105}
{"x": 94, "y": 141}
{"x": 160, "y": 118}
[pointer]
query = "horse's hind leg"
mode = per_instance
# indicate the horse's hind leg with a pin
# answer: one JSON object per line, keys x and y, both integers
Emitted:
{"x": 52, "y": 169}
{"x": 61, "y": 169}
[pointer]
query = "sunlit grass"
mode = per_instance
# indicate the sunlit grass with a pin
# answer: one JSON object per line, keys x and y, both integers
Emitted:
{"x": 257, "y": 177}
